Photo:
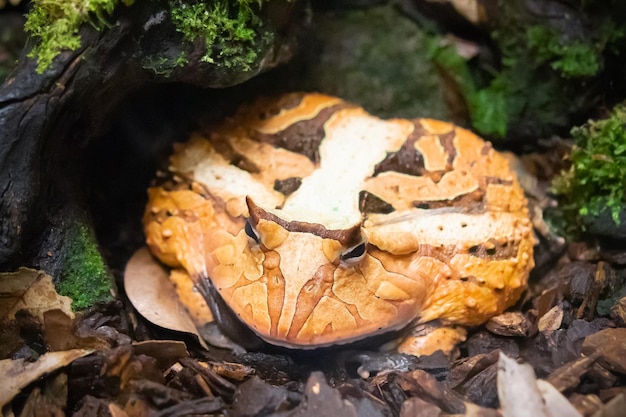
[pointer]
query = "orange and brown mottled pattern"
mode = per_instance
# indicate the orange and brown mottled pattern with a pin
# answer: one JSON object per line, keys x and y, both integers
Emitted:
{"x": 320, "y": 224}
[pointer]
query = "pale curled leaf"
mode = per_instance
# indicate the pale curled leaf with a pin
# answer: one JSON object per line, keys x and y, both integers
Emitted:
{"x": 153, "y": 295}
{"x": 556, "y": 403}
{"x": 30, "y": 290}
{"x": 17, "y": 374}
{"x": 517, "y": 390}
{"x": 522, "y": 394}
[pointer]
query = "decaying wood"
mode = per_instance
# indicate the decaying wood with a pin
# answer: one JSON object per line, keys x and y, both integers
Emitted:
{"x": 46, "y": 120}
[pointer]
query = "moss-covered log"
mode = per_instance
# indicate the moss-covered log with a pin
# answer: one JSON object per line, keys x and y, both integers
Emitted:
{"x": 48, "y": 118}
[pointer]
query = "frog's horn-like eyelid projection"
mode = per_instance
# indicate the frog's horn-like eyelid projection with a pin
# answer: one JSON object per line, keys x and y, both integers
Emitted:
{"x": 347, "y": 237}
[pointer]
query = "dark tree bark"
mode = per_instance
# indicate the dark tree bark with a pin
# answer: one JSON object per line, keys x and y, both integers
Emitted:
{"x": 47, "y": 120}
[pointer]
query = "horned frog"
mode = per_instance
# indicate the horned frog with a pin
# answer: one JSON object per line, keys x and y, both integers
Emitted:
{"x": 319, "y": 224}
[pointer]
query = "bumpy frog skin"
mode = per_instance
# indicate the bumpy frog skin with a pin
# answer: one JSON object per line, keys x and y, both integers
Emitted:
{"x": 319, "y": 224}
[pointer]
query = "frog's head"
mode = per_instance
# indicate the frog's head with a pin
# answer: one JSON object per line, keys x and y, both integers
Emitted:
{"x": 301, "y": 284}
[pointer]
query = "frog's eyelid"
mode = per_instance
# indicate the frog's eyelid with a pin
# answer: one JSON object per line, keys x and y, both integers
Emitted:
{"x": 252, "y": 233}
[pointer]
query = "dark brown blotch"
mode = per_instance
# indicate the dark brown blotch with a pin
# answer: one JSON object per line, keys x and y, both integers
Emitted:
{"x": 371, "y": 203}
{"x": 447, "y": 142}
{"x": 231, "y": 155}
{"x": 470, "y": 202}
{"x": 407, "y": 160}
{"x": 287, "y": 186}
{"x": 303, "y": 137}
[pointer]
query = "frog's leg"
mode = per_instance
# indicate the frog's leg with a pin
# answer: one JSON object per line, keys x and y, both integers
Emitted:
{"x": 425, "y": 339}
{"x": 175, "y": 227}
{"x": 193, "y": 301}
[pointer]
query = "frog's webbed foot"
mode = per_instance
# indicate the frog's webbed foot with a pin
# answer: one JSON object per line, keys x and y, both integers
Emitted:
{"x": 427, "y": 338}
{"x": 375, "y": 362}
{"x": 382, "y": 362}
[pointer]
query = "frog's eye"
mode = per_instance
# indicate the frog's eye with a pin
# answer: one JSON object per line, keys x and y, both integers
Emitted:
{"x": 353, "y": 255}
{"x": 255, "y": 239}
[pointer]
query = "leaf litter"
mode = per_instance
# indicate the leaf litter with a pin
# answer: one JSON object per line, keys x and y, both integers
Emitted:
{"x": 560, "y": 352}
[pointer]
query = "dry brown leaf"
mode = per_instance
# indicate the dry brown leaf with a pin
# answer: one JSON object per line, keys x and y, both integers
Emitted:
{"x": 17, "y": 374}
{"x": 31, "y": 290}
{"x": 60, "y": 333}
{"x": 153, "y": 295}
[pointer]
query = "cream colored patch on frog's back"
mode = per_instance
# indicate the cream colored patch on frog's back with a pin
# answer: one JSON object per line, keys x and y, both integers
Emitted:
{"x": 228, "y": 182}
{"x": 403, "y": 232}
{"x": 330, "y": 195}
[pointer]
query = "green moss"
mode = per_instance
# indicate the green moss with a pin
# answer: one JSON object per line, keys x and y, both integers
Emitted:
{"x": 596, "y": 180}
{"x": 538, "y": 82}
{"x": 487, "y": 106}
{"x": 85, "y": 279}
{"x": 572, "y": 59}
{"x": 229, "y": 29}
{"x": 181, "y": 60}
{"x": 163, "y": 65}
{"x": 55, "y": 24}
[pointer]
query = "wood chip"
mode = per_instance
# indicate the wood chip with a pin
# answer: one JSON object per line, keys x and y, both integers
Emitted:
{"x": 166, "y": 352}
{"x": 614, "y": 408}
{"x": 322, "y": 400}
{"x": 568, "y": 376}
{"x": 610, "y": 344}
{"x": 551, "y": 321}
{"x": 416, "y": 407}
{"x": 510, "y": 324}
{"x": 256, "y": 397}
